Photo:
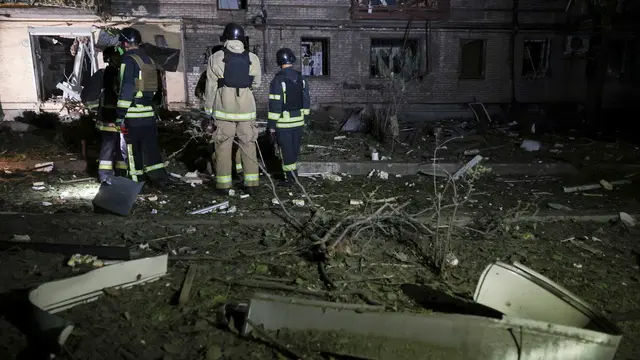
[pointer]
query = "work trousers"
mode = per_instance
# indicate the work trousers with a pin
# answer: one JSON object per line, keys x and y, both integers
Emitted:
{"x": 144, "y": 155}
{"x": 289, "y": 143}
{"x": 247, "y": 133}
{"x": 113, "y": 155}
{"x": 239, "y": 168}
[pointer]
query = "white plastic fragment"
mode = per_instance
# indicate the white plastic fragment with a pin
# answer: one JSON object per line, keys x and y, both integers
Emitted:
{"x": 298, "y": 202}
{"x": 46, "y": 203}
{"x": 38, "y": 188}
{"x": 275, "y": 201}
{"x": 39, "y": 183}
{"x": 340, "y": 137}
{"x": 21, "y": 238}
{"x": 451, "y": 260}
{"x": 44, "y": 167}
{"x": 232, "y": 192}
{"x": 153, "y": 198}
{"x": 244, "y": 196}
{"x": 177, "y": 176}
{"x": 355, "y": 202}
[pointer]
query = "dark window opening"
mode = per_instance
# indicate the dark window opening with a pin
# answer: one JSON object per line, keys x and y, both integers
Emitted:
{"x": 535, "y": 59}
{"x": 232, "y": 4}
{"x": 621, "y": 59}
{"x": 314, "y": 56}
{"x": 472, "y": 59}
{"x": 389, "y": 57}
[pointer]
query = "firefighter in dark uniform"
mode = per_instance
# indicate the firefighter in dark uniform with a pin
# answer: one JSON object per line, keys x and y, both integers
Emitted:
{"x": 138, "y": 85}
{"x": 289, "y": 102}
{"x": 113, "y": 150}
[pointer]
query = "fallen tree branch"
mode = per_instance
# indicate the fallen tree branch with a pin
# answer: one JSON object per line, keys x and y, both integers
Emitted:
{"x": 276, "y": 286}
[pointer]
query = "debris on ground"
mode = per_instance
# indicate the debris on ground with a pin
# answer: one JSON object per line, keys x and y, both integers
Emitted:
{"x": 559, "y": 207}
{"x": 79, "y": 259}
{"x": 608, "y": 185}
{"x": 627, "y": 219}
{"x": 530, "y": 145}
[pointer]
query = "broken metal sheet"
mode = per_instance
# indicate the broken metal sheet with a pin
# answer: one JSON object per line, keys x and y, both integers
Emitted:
{"x": 53, "y": 297}
{"x": 63, "y": 294}
{"x": 208, "y": 209}
{"x": 117, "y": 195}
{"x": 398, "y": 336}
{"x": 518, "y": 291}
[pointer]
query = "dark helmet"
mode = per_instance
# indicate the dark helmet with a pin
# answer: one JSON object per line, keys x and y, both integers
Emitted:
{"x": 130, "y": 35}
{"x": 232, "y": 31}
{"x": 109, "y": 52}
{"x": 285, "y": 56}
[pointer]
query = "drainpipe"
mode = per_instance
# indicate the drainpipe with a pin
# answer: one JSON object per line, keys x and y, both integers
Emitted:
{"x": 514, "y": 33}
{"x": 265, "y": 35}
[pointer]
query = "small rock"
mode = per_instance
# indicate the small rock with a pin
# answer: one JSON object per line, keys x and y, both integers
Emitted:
{"x": 332, "y": 177}
{"x": 275, "y": 201}
{"x": 214, "y": 353}
{"x": 391, "y": 296}
{"x": 153, "y": 198}
{"x": 232, "y": 192}
{"x": 559, "y": 207}
{"x": 627, "y": 219}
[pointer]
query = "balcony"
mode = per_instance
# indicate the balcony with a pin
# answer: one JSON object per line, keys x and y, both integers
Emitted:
{"x": 400, "y": 9}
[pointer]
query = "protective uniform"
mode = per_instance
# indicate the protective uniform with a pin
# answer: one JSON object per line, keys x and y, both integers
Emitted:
{"x": 289, "y": 102}
{"x": 138, "y": 85}
{"x": 232, "y": 74}
{"x": 112, "y": 147}
{"x": 201, "y": 87}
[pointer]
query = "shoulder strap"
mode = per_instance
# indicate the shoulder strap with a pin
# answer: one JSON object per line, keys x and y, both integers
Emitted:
{"x": 137, "y": 59}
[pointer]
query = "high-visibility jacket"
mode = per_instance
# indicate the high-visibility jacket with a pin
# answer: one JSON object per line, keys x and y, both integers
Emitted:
{"x": 289, "y": 100}
{"x": 138, "y": 84}
{"x": 227, "y": 103}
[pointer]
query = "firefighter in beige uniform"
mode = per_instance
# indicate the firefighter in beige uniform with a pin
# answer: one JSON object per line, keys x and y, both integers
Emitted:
{"x": 232, "y": 74}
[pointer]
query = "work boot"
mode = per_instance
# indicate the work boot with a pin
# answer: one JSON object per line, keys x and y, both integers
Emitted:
{"x": 250, "y": 190}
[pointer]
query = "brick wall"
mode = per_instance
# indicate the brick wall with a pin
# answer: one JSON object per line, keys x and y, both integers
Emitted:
{"x": 349, "y": 46}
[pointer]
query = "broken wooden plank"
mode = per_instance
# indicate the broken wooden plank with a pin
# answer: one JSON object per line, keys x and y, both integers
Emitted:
{"x": 186, "y": 286}
{"x": 569, "y": 189}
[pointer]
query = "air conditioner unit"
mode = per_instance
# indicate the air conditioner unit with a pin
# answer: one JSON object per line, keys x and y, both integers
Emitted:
{"x": 577, "y": 44}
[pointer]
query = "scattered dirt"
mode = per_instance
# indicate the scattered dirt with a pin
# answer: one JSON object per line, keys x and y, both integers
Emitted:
{"x": 146, "y": 322}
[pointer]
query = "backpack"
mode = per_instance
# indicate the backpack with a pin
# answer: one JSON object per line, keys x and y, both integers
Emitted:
{"x": 236, "y": 71}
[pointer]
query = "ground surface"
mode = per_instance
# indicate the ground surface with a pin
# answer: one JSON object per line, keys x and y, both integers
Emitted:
{"x": 600, "y": 264}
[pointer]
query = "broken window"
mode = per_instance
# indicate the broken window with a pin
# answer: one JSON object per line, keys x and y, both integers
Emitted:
{"x": 472, "y": 59}
{"x": 535, "y": 59}
{"x": 63, "y": 65}
{"x": 314, "y": 54}
{"x": 390, "y": 57}
{"x": 232, "y": 4}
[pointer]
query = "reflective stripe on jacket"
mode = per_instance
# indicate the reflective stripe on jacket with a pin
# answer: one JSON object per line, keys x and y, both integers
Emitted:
{"x": 225, "y": 103}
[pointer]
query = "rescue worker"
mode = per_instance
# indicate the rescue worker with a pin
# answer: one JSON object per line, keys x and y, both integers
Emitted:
{"x": 113, "y": 150}
{"x": 289, "y": 102}
{"x": 232, "y": 74}
{"x": 138, "y": 85}
{"x": 201, "y": 87}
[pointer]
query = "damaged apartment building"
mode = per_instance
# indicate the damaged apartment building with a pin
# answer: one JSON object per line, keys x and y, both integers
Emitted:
{"x": 496, "y": 52}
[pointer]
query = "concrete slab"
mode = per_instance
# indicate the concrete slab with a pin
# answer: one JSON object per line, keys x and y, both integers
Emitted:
{"x": 364, "y": 168}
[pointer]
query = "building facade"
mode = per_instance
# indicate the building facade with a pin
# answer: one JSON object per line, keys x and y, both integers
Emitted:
{"x": 493, "y": 51}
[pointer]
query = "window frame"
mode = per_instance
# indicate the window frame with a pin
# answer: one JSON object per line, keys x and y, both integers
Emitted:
{"x": 463, "y": 76}
{"x": 326, "y": 55}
